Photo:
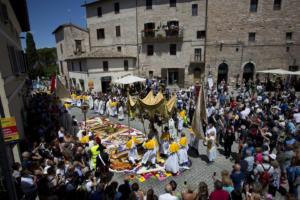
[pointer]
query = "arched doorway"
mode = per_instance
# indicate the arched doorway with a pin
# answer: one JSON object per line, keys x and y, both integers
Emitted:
{"x": 222, "y": 72}
{"x": 248, "y": 71}
{"x": 197, "y": 75}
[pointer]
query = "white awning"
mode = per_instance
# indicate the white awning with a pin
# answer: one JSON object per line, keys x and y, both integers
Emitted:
{"x": 129, "y": 80}
{"x": 278, "y": 71}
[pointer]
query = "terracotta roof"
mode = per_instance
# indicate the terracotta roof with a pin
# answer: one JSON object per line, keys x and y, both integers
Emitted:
{"x": 100, "y": 53}
{"x": 68, "y": 24}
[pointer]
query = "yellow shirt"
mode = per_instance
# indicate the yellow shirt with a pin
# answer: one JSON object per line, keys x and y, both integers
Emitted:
{"x": 73, "y": 96}
{"x": 67, "y": 105}
{"x": 78, "y": 97}
{"x": 183, "y": 141}
{"x": 149, "y": 145}
{"x": 174, "y": 147}
{"x": 113, "y": 104}
{"x": 85, "y": 139}
{"x": 182, "y": 113}
{"x": 131, "y": 142}
{"x": 165, "y": 136}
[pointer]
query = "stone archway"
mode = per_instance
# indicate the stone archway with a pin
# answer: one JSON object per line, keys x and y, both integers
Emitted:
{"x": 222, "y": 72}
{"x": 248, "y": 71}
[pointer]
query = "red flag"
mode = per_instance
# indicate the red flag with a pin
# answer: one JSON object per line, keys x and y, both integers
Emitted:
{"x": 53, "y": 83}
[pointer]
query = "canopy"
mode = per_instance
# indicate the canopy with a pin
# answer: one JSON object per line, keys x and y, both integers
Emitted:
{"x": 129, "y": 80}
{"x": 278, "y": 71}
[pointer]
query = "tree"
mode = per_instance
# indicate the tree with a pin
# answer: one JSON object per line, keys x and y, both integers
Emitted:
{"x": 47, "y": 56}
{"x": 31, "y": 52}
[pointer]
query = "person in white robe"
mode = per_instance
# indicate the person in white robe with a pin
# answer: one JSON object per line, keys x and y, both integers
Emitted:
{"x": 149, "y": 157}
{"x": 211, "y": 147}
{"x": 164, "y": 142}
{"x": 101, "y": 107}
{"x": 91, "y": 102}
{"x": 172, "y": 128}
{"x": 180, "y": 123}
{"x": 108, "y": 108}
{"x": 121, "y": 112}
{"x": 182, "y": 152}
{"x": 114, "y": 108}
{"x": 132, "y": 153}
{"x": 171, "y": 164}
{"x": 96, "y": 104}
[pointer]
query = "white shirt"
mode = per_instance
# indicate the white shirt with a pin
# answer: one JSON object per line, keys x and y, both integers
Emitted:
{"x": 167, "y": 196}
{"x": 297, "y": 117}
{"x": 60, "y": 134}
{"x": 211, "y": 130}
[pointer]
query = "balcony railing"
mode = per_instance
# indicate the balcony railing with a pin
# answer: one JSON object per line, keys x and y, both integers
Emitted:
{"x": 174, "y": 34}
{"x": 196, "y": 59}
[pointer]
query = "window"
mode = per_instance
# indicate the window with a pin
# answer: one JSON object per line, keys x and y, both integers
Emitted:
{"x": 119, "y": 48}
{"x": 201, "y": 34}
{"x": 78, "y": 47}
{"x": 149, "y": 29}
{"x": 289, "y": 36}
{"x": 105, "y": 66}
{"x": 251, "y": 37}
{"x": 172, "y": 3}
{"x": 99, "y": 11}
{"x": 197, "y": 55}
{"x": 118, "y": 31}
{"x": 277, "y": 5}
{"x": 173, "y": 49}
{"x": 195, "y": 10}
{"x": 4, "y": 13}
{"x": 148, "y": 4}
{"x": 100, "y": 33}
{"x": 72, "y": 66}
{"x": 117, "y": 8}
{"x": 287, "y": 49}
{"x": 253, "y": 5}
{"x": 126, "y": 65}
{"x": 61, "y": 49}
{"x": 151, "y": 74}
{"x": 81, "y": 82}
{"x": 150, "y": 50}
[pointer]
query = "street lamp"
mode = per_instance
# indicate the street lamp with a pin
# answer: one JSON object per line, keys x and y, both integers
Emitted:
{"x": 84, "y": 109}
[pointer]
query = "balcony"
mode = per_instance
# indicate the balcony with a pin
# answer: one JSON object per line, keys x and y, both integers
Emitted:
{"x": 196, "y": 59}
{"x": 169, "y": 34}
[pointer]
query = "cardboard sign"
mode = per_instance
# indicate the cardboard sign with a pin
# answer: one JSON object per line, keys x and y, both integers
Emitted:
{"x": 9, "y": 129}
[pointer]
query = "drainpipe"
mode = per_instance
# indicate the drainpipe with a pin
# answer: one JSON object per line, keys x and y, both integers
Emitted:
{"x": 137, "y": 37}
{"x": 241, "y": 62}
{"x": 205, "y": 39}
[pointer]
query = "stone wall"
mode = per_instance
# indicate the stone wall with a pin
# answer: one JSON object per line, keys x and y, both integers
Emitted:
{"x": 229, "y": 23}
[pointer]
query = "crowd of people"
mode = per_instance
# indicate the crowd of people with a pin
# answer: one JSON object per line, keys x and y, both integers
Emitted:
{"x": 59, "y": 163}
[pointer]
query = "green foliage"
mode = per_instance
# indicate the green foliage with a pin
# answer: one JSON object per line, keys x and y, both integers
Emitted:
{"x": 31, "y": 52}
{"x": 47, "y": 56}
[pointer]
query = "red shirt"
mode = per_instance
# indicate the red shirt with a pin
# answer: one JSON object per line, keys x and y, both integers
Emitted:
{"x": 219, "y": 195}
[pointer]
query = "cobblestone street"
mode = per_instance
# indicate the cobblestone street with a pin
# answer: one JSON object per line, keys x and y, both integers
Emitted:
{"x": 200, "y": 170}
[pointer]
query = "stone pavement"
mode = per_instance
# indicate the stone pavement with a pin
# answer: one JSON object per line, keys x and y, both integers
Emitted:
{"x": 200, "y": 170}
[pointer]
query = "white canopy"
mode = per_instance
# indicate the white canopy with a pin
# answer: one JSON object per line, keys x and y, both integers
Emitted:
{"x": 129, "y": 80}
{"x": 278, "y": 71}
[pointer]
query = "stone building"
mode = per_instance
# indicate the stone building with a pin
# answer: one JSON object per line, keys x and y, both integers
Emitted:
{"x": 166, "y": 36}
{"x": 70, "y": 40}
{"x": 13, "y": 21}
{"x": 244, "y": 36}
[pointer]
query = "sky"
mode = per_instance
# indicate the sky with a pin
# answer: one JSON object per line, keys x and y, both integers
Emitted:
{"x": 47, "y": 15}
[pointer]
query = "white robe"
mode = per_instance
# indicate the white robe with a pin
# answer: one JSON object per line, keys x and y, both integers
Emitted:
{"x": 180, "y": 123}
{"x": 212, "y": 153}
{"x": 149, "y": 156}
{"x": 108, "y": 108}
{"x": 121, "y": 113}
{"x": 164, "y": 149}
{"x": 172, "y": 129}
{"x": 183, "y": 155}
{"x": 132, "y": 153}
{"x": 91, "y": 102}
{"x": 78, "y": 103}
{"x": 101, "y": 107}
{"x": 171, "y": 164}
{"x": 96, "y": 104}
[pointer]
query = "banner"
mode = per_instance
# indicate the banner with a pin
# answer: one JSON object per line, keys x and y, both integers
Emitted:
{"x": 199, "y": 115}
{"x": 9, "y": 129}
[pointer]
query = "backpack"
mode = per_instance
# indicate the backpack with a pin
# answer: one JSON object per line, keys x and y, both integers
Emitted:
{"x": 265, "y": 177}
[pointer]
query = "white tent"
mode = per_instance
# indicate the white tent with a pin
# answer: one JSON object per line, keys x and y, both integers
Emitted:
{"x": 129, "y": 80}
{"x": 278, "y": 71}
